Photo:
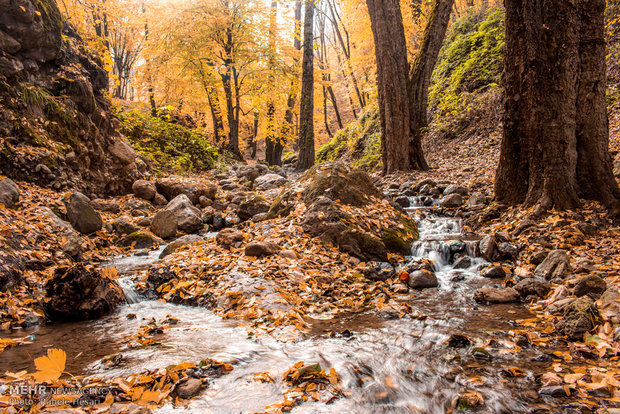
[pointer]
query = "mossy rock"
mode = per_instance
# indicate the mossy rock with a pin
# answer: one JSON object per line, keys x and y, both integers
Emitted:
{"x": 141, "y": 240}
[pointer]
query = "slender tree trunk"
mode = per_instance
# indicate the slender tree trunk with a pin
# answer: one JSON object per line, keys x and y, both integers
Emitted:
{"x": 306, "y": 111}
{"x": 421, "y": 72}
{"x": 392, "y": 84}
{"x": 286, "y": 133}
{"x": 325, "y": 119}
{"x": 252, "y": 141}
{"x": 332, "y": 98}
{"x": 271, "y": 138}
{"x": 555, "y": 138}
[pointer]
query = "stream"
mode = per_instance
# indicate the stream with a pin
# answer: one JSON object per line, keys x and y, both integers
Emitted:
{"x": 386, "y": 365}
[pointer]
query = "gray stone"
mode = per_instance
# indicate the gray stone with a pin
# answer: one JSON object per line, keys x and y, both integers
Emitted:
{"x": 82, "y": 215}
{"x": 252, "y": 206}
{"x": 269, "y": 181}
{"x": 591, "y": 284}
{"x": 189, "y": 388}
{"x": 9, "y": 193}
{"x": 144, "y": 189}
{"x": 140, "y": 240}
{"x": 494, "y": 272}
{"x": 532, "y": 286}
{"x": 164, "y": 224}
{"x": 228, "y": 237}
{"x": 422, "y": 279}
{"x": 451, "y": 201}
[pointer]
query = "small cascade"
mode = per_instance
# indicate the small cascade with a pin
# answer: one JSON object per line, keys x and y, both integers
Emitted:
{"x": 131, "y": 296}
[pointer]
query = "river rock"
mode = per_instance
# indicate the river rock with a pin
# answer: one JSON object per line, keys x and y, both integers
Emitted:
{"x": 79, "y": 293}
{"x": 189, "y": 388}
{"x": 123, "y": 226}
{"x": 158, "y": 277}
{"x": 229, "y": 237}
{"x": 164, "y": 224}
{"x": 269, "y": 181}
{"x": 171, "y": 187}
{"x": 555, "y": 266}
{"x": 252, "y": 206}
{"x": 422, "y": 279}
{"x": 451, "y": 201}
{"x": 159, "y": 200}
{"x": 9, "y": 193}
{"x": 261, "y": 248}
{"x": 463, "y": 263}
{"x": 496, "y": 295}
{"x": 476, "y": 200}
{"x": 538, "y": 257}
{"x": 488, "y": 248}
{"x": 507, "y": 251}
{"x": 456, "y": 189}
{"x": 141, "y": 240}
{"x": 591, "y": 284}
{"x": 533, "y": 286}
{"x": 494, "y": 272}
{"x": 178, "y": 214}
{"x": 178, "y": 243}
{"x": 251, "y": 172}
{"x": 402, "y": 201}
{"x": 144, "y": 189}
{"x": 378, "y": 271}
{"x": 82, "y": 215}
{"x": 580, "y": 316}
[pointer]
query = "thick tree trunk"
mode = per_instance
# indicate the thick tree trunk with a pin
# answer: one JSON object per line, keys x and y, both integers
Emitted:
{"x": 392, "y": 84}
{"x": 555, "y": 126}
{"x": 306, "y": 111}
{"x": 421, "y": 72}
{"x": 594, "y": 165}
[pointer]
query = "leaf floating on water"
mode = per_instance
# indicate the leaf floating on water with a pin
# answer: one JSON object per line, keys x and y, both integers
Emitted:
{"x": 50, "y": 367}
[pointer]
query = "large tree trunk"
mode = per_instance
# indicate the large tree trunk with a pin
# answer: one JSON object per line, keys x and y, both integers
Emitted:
{"x": 421, "y": 72}
{"x": 594, "y": 165}
{"x": 392, "y": 84}
{"x": 286, "y": 132}
{"x": 555, "y": 125}
{"x": 306, "y": 111}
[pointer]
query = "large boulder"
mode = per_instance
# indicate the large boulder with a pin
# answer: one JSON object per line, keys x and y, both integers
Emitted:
{"x": 269, "y": 182}
{"x": 533, "y": 286}
{"x": 82, "y": 215}
{"x": 422, "y": 279}
{"x": 178, "y": 243}
{"x": 9, "y": 193}
{"x": 590, "y": 284}
{"x": 171, "y": 187}
{"x": 229, "y": 237}
{"x": 252, "y": 206}
{"x": 451, "y": 201}
{"x": 80, "y": 293}
{"x": 144, "y": 189}
{"x": 580, "y": 316}
{"x": 555, "y": 266}
{"x": 178, "y": 214}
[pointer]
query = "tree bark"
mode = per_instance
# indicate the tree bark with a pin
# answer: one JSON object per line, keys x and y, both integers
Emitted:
{"x": 421, "y": 72}
{"x": 392, "y": 84}
{"x": 272, "y": 142}
{"x": 306, "y": 111}
{"x": 555, "y": 137}
{"x": 286, "y": 132}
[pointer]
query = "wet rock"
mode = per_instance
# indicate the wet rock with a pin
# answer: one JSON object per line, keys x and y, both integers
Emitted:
{"x": 494, "y": 272}
{"x": 180, "y": 213}
{"x": 178, "y": 243}
{"x": 428, "y": 182}
{"x": 9, "y": 193}
{"x": 252, "y": 206}
{"x": 555, "y": 266}
{"x": 82, "y": 215}
{"x": 591, "y": 284}
{"x": 269, "y": 181}
{"x": 251, "y": 172}
{"x": 553, "y": 391}
{"x": 141, "y": 240}
{"x": 164, "y": 224}
{"x": 459, "y": 341}
{"x": 123, "y": 226}
{"x": 422, "y": 279}
{"x": 229, "y": 237}
{"x": 105, "y": 205}
{"x": 378, "y": 271}
{"x": 463, "y": 263}
{"x": 456, "y": 189}
{"x": 533, "y": 286}
{"x": 193, "y": 189}
{"x": 158, "y": 277}
{"x": 507, "y": 251}
{"x": 189, "y": 388}
{"x": 79, "y": 293}
{"x": 488, "y": 248}
{"x": 261, "y": 248}
{"x": 451, "y": 201}
{"x": 218, "y": 221}
{"x": 496, "y": 295}
{"x": 144, "y": 189}
{"x": 580, "y": 316}
{"x": 402, "y": 201}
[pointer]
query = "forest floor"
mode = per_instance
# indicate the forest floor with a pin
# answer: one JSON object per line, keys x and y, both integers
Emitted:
{"x": 334, "y": 326}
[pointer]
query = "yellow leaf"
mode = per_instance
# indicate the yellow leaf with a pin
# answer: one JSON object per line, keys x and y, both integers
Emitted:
{"x": 50, "y": 367}
{"x": 333, "y": 376}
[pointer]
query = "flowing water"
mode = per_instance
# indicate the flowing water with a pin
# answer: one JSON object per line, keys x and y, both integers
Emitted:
{"x": 386, "y": 365}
